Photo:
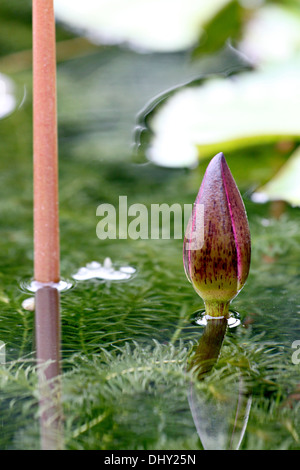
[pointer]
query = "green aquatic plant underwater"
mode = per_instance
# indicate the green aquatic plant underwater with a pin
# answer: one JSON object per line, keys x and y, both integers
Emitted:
{"x": 217, "y": 246}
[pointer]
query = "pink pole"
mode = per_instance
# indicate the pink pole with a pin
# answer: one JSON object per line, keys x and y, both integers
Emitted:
{"x": 45, "y": 155}
{"x": 46, "y": 222}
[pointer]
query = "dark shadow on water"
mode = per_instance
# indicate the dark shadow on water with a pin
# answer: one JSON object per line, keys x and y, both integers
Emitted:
{"x": 220, "y": 418}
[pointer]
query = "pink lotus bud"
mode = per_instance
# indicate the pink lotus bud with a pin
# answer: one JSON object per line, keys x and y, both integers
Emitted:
{"x": 217, "y": 247}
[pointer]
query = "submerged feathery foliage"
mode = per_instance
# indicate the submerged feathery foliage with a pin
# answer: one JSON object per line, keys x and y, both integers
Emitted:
{"x": 135, "y": 397}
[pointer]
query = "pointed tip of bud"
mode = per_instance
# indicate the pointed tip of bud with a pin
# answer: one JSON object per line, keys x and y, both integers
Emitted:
{"x": 219, "y": 155}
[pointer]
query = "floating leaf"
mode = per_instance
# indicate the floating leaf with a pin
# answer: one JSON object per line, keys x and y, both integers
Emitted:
{"x": 285, "y": 184}
{"x": 271, "y": 35}
{"x": 238, "y": 111}
{"x": 155, "y": 25}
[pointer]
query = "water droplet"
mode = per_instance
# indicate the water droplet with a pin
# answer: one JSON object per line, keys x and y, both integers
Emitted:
{"x": 107, "y": 271}
{"x": 29, "y": 304}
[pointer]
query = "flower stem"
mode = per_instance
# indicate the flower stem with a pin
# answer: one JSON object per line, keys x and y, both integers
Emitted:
{"x": 217, "y": 309}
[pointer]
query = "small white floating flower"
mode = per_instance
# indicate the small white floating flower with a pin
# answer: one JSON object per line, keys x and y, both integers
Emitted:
{"x": 107, "y": 272}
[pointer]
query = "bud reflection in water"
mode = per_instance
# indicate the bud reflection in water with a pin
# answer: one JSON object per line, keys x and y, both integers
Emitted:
{"x": 220, "y": 415}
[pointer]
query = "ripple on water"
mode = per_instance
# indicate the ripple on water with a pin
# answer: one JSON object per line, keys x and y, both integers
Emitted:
{"x": 33, "y": 286}
{"x": 200, "y": 318}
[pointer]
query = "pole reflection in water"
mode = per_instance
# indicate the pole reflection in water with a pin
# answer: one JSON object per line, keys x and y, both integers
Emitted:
{"x": 220, "y": 418}
{"x": 47, "y": 325}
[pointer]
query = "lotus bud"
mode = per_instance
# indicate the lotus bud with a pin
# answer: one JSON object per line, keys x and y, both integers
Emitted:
{"x": 217, "y": 246}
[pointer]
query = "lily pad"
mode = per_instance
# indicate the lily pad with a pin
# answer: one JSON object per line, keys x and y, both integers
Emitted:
{"x": 285, "y": 184}
{"x": 225, "y": 114}
{"x": 272, "y": 34}
{"x": 155, "y": 25}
